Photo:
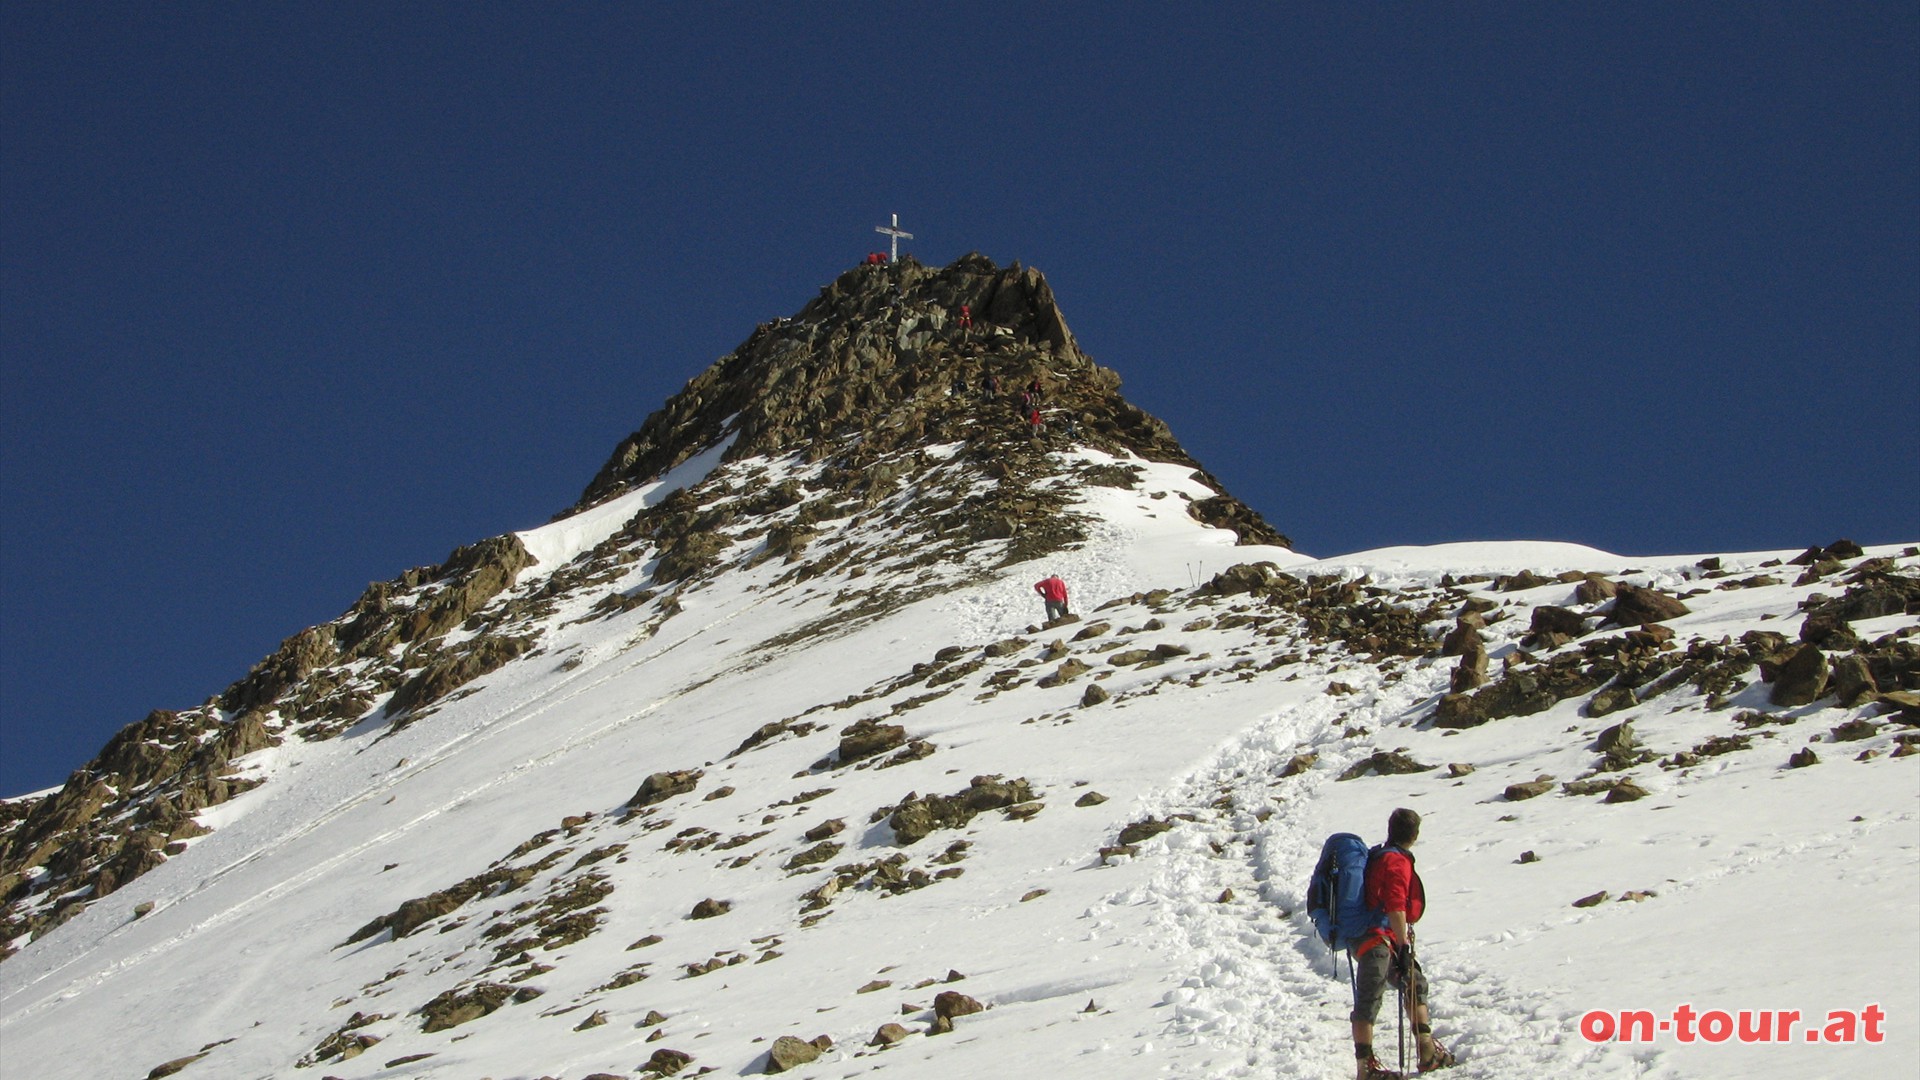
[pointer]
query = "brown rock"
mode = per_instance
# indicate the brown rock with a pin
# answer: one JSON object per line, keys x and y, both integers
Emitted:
{"x": 952, "y": 1003}
{"x": 1298, "y": 764}
{"x": 1612, "y": 700}
{"x": 1464, "y": 635}
{"x": 1829, "y": 631}
{"x": 668, "y": 1062}
{"x": 1471, "y": 672}
{"x": 1593, "y": 589}
{"x": 1650, "y": 637}
{"x": 1525, "y": 579}
{"x": 888, "y": 1034}
{"x": 455, "y": 1007}
{"x": 1853, "y": 681}
{"x": 664, "y": 785}
{"x": 866, "y": 738}
{"x": 1625, "y": 791}
{"x": 819, "y": 853}
{"x": 1458, "y": 710}
{"x": 1592, "y": 785}
{"x": 1635, "y": 606}
{"x": 825, "y": 829}
{"x": 1065, "y": 673}
{"x": 1854, "y": 730}
{"x": 1548, "y": 619}
{"x": 1800, "y": 677}
{"x": 788, "y": 1052}
{"x": 1619, "y": 737}
{"x": 1384, "y": 763}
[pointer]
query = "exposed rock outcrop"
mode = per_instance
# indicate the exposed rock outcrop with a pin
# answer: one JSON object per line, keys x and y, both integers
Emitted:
{"x": 877, "y": 355}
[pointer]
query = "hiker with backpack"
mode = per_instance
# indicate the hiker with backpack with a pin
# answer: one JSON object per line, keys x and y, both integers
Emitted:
{"x": 1365, "y": 902}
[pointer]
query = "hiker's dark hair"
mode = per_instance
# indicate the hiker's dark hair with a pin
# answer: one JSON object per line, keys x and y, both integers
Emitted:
{"x": 1403, "y": 827}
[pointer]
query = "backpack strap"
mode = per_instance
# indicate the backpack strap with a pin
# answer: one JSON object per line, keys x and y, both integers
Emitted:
{"x": 1372, "y": 939}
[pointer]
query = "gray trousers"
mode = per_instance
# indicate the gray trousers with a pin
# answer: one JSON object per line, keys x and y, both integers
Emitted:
{"x": 1372, "y": 977}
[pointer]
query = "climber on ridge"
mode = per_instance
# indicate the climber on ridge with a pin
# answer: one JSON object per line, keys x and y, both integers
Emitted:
{"x": 1054, "y": 592}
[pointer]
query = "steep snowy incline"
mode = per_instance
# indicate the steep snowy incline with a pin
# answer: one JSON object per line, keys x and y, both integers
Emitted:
{"x": 350, "y": 827}
{"x": 763, "y": 756}
{"x": 1095, "y": 953}
{"x": 869, "y": 408}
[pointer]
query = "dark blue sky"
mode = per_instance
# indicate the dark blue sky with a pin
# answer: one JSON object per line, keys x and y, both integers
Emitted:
{"x": 296, "y": 296}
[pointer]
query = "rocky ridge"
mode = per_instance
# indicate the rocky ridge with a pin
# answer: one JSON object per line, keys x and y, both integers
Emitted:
{"x": 872, "y": 386}
{"x": 703, "y": 855}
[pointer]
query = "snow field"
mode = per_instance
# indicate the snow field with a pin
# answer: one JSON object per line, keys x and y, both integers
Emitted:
{"x": 1761, "y": 874}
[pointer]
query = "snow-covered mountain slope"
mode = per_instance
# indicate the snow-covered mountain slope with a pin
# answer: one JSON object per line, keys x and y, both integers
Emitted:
{"x": 766, "y": 742}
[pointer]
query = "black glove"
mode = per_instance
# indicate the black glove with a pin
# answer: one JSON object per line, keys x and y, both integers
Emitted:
{"x": 1402, "y": 962}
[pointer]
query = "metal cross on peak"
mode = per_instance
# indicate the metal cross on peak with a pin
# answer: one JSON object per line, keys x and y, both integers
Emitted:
{"x": 894, "y": 231}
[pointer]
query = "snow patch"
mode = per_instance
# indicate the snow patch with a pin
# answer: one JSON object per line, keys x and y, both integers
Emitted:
{"x": 556, "y": 544}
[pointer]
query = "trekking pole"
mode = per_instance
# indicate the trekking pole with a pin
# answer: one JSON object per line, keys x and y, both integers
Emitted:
{"x": 1406, "y": 976}
{"x": 1403, "y": 1025}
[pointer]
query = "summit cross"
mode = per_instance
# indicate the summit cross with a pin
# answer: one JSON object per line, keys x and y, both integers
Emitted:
{"x": 894, "y": 231}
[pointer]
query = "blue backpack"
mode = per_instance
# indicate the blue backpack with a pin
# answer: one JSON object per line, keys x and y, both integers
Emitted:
{"x": 1337, "y": 893}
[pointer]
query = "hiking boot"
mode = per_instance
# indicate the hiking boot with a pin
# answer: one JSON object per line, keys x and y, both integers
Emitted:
{"x": 1371, "y": 1069}
{"x": 1434, "y": 1056}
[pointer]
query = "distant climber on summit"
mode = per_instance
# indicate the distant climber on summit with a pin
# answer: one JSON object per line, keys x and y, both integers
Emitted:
{"x": 1386, "y": 957}
{"x": 1054, "y": 592}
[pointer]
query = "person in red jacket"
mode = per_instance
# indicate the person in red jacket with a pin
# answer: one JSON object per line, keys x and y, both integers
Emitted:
{"x": 1054, "y": 592}
{"x": 1393, "y": 887}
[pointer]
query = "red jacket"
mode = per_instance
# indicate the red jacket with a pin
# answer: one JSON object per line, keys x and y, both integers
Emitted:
{"x": 1394, "y": 885}
{"x": 1052, "y": 589}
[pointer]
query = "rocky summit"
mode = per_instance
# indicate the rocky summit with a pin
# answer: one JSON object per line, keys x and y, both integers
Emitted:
{"x": 764, "y": 757}
{"x": 861, "y": 382}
